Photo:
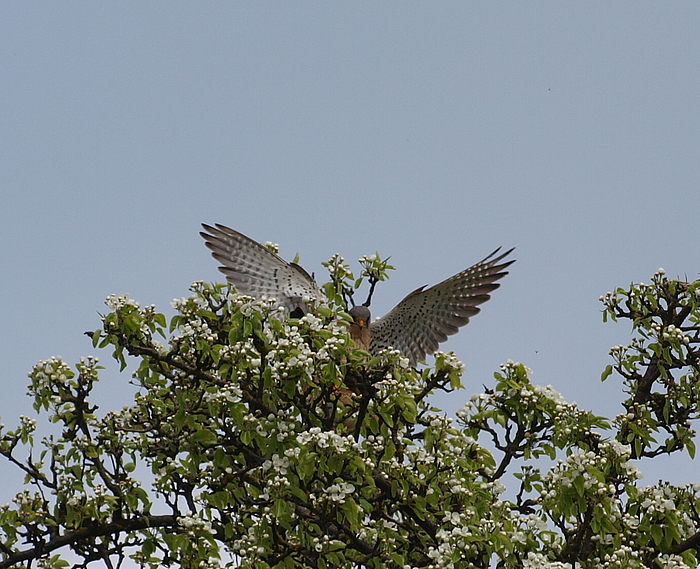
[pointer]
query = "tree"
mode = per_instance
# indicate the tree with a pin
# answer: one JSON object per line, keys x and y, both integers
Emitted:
{"x": 272, "y": 442}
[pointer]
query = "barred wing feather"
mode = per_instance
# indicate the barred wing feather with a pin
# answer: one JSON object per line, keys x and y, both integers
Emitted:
{"x": 254, "y": 270}
{"x": 426, "y": 317}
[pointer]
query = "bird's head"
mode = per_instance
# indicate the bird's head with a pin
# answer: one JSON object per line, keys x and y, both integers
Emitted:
{"x": 360, "y": 316}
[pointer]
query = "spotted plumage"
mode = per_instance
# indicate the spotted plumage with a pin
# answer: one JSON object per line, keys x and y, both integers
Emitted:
{"x": 416, "y": 326}
{"x": 252, "y": 269}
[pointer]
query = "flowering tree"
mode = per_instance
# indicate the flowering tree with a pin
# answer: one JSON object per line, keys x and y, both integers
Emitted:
{"x": 272, "y": 442}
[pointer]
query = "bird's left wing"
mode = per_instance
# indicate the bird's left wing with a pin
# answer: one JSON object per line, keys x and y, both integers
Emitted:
{"x": 254, "y": 270}
{"x": 424, "y": 319}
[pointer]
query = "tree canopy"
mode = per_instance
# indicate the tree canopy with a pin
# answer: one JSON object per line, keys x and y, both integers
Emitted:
{"x": 268, "y": 441}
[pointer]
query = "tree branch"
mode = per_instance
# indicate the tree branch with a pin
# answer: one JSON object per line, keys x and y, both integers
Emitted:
{"x": 88, "y": 532}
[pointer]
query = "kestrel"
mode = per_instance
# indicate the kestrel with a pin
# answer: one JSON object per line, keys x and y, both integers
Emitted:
{"x": 415, "y": 326}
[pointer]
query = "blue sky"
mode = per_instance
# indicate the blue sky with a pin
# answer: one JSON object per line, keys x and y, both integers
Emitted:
{"x": 430, "y": 132}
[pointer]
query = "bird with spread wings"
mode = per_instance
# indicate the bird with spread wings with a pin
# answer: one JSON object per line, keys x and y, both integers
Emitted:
{"x": 415, "y": 326}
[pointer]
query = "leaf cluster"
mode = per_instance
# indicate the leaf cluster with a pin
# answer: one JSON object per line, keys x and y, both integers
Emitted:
{"x": 266, "y": 441}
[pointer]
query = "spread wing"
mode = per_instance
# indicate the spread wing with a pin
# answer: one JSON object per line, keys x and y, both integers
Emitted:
{"x": 421, "y": 321}
{"x": 254, "y": 270}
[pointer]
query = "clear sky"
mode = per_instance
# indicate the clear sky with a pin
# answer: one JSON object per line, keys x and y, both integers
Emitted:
{"x": 433, "y": 132}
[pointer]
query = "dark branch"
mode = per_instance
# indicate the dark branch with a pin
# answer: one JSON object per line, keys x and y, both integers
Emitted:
{"x": 84, "y": 533}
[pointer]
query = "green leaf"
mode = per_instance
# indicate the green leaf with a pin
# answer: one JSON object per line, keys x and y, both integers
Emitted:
{"x": 298, "y": 493}
{"x": 57, "y": 563}
{"x": 204, "y": 437}
{"x": 409, "y": 410}
{"x": 352, "y": 513}
{"x": 606, "y": 374}
{"x": 690, "y": 445}
{"x": 281, "y": 509}
{"x": 148, "y": 547}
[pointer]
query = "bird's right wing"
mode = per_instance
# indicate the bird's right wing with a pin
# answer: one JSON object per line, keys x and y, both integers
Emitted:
{"x": 424, "y": 319}
{"x": 254, "y": 270}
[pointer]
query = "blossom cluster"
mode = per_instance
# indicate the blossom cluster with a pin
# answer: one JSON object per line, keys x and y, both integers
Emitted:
{"x": 188, "y": 306}
{"x": 195, "y": 328}
{"x": 195, "y": 525}
{"x": 337, "y": 268}
{"x": 339, "y": 491}
{"x": 284, "y": 440}
{"x": 117, "y": 301}
{"x": 449, "y": 361}
{"x": 327, "y": 439}
{"x": 48, "y": 373}
{"x": 587, "y": 467}
{"x": 671, "y": 332}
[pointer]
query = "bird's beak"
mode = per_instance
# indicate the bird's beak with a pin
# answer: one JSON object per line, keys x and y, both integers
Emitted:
{"x": 361, "y": 322}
